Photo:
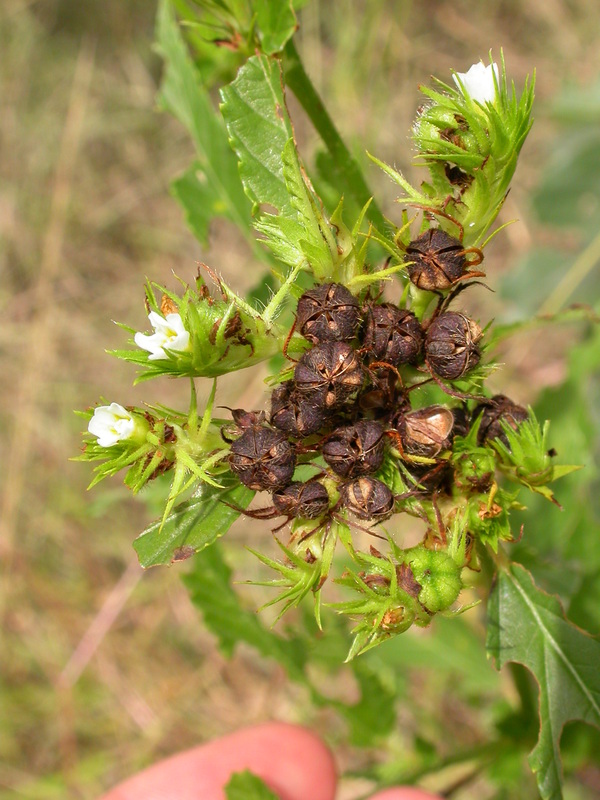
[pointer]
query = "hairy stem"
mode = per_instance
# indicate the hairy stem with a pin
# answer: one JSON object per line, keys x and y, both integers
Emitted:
{"x": 349, "y": 170}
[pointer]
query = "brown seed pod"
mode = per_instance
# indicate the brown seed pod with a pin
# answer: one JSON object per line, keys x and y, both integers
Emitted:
{"x": 294, "y": 413}
{"x": 383, "y": 395}
{"x": 495, "y": 411}
{"x": 329, "y": 374}
{"x": 392, "y": 335}
{"x": 439, "y": 260}
{"x": 426, "y": 431}
{"x": 355, "y": 449}
{"x": 451, "y": 345}
{"x": 307, "y": 500}
{"x": 367, "y": 498}
{"x": 462, "y": 421}
{"x": 430, "y": 479}
{"x": 242, "y": 420}
{"x": 262, "y": 459}
{"x": 328, "y": 313}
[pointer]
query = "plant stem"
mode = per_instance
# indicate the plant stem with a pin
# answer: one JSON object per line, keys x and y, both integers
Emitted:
{"x": 350, "y": 172}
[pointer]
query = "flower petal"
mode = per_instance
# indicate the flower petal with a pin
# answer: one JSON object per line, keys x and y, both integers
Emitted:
{"x": 169, "y": 332}
{"x": 478, "y": 82}
{"x": 111, "y": 424}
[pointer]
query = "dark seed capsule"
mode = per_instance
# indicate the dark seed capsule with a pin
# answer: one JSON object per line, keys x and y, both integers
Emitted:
{"x": 262, "y": 459}
{"x": 425, "y": 432}
{"x": 367, "y": 498}
{"x": 329, "y": 375}
{"x": 242, "y": 420}
{"x": 497, "y": 410}
{"x": 294, "y": 413}
{"x": 438, "y": 260}
{"x": 392, "y": 335}
{"x": 328, "y": 313}
{"x": 430, "y": 479}
{"x": 246, "y": 419}
{"x": 355, "y": 449}
{"x": 451, "y": 345}
{"x": 307, "y": 500}
{"x": 462, "y": 422}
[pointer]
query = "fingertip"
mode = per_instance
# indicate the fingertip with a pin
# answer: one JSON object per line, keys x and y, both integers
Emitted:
{"x": 291, "y": 760}
{"x": 294, "y": 762}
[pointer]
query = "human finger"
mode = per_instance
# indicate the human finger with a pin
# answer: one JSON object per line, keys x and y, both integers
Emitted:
{"x": 291, "y": 760}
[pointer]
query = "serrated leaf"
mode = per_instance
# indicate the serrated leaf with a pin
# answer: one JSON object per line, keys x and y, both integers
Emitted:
{"x": 529, "y": 627}
{"x": 246, "y": 786}
{"x": 193, "y": 525}
{"x": 276, "y": 22}
{"x": 317, "y": 243}
{"x": 209, "y": 584}
{"x": 182, "y": 95}
{"x": 261, "y": 133}
{"x": 259, "y": 127}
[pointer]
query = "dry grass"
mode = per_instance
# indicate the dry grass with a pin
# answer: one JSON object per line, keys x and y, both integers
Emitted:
{"x": 104, "y": 670}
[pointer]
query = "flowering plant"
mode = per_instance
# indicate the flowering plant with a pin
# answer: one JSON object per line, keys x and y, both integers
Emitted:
{"x": 378, "y": 412}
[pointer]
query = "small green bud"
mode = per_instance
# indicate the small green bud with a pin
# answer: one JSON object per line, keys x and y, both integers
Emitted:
{"x": 438, "y": 576}
{"x": 473, "y": 470}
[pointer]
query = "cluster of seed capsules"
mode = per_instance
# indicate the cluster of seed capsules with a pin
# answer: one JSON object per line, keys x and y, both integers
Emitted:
{"x": 348, "y": 402}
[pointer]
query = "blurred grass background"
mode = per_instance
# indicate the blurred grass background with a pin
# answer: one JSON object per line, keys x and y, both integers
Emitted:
{"x": 103, "y": 669}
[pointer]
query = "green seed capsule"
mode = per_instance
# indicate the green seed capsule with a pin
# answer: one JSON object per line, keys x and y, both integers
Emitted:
{"x": 438, "y": 575}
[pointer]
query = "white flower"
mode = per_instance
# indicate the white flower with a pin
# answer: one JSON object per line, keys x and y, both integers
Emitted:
{"x": 168, "y": 332}
{"x": 478, "y": 82}
{"x": 111, "y": 424}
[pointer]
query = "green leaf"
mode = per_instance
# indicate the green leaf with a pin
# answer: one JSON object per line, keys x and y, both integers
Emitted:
{"x": 182, "y": 95}
{"x": 199, "y": 201}
{"x": 246, "y": 786}
{"x": 209, "y": 584}
{"x": 529, "y": 627}
{"x": 374, "y": 716}
{"x": 317, "y": 242}
{"x": 261, "y": 132}
{"x": 192, "y": 525}
{"x": 277, "y": 23}
{"x": 259, "y": 128}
